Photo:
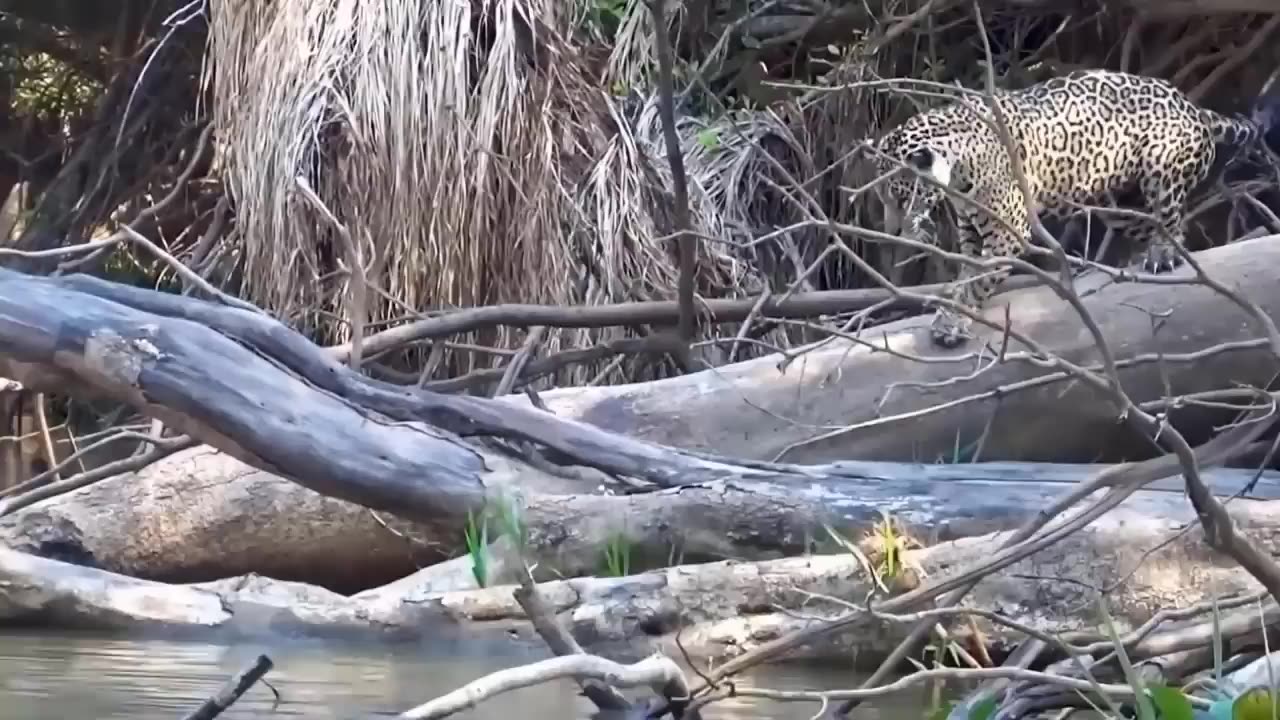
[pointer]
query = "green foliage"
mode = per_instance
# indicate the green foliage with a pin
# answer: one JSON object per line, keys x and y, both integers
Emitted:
{"x": 942, "y": 711}
{"x": 961, "y": 453}
{"x": 511, "y": 524}
{"x": 617, "y": 555}
{"x": 1256, "y": 703}
{"x": 888, "y": 545}
{"x": 709, "y": 138}
{"x": 476, "y": 534}
{"x": 891, "y": 546}
{"x": 506, "y": 513}
{"x": 1146, "y": 711}
{"x": 1171, "y": 703}
{"x": 46, "y": 87}
{"x": 980, "y": 711}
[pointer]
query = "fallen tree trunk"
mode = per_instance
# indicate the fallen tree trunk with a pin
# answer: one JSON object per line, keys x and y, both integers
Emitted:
{"x": 221, "y": 518}
{"x": 247, "y": 385}
{"x": 719, "y": 609}
{"x": 203, "y": 515}
{"x": 250, "y": 387}
{"x": 757, "y": 409}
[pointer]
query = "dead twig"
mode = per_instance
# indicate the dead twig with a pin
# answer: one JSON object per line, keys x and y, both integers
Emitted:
{"x": 935, "y": 674}
{"x": 535, "y": 369}
{"x": 356, "y": 282}
{"x": 721, "y": 310}
{"x": 231, "y": 691}
{"x": 516, "y": 367}
{"x": 562, "y": 643}
{"x": 162, "y": 449}
{"x": 1123, "y": 479}
{"x": 687, "y": 242}
{"x": 46, "y": 438}
{"x": 53, "y": 471}
{"x": 655, "y": 671}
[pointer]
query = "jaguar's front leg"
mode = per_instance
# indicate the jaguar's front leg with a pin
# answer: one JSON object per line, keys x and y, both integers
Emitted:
{"x": 1152, "y": 244}
{"x": 1159, "y": 238}
{"x": 971, "y": 289}
{"x": 922, "y": 228}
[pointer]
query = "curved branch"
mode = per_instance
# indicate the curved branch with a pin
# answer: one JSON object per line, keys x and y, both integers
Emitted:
{"x": 655, "y": 671}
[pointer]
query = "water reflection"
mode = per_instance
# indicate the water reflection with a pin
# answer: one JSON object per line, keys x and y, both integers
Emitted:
{"x": 55, "y": 677}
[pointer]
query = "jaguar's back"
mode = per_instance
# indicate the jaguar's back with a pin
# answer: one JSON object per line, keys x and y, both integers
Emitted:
{"x": 1092, "y": 132}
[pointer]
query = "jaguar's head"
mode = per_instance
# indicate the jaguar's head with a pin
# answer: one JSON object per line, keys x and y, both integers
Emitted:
{"x": 912, "y": 196}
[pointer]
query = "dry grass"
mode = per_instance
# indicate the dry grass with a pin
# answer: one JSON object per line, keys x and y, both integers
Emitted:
{"x": 480, "y": 166}
{"x": 478, "y": 156}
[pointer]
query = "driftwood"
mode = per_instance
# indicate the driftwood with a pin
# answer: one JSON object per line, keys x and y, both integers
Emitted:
{"x": 754, "y": 409}
{"x": 720, "y": 609}
{"x": 263, "y": 395}
{"x": 231, "y": 690}
{"x": 204, "y": 515}
{"x": 411, "y": 458}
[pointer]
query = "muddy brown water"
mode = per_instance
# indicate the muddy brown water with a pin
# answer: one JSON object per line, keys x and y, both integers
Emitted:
{"x": 57, "y": 676}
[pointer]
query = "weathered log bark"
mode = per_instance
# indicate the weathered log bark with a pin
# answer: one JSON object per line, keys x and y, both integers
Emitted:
{"x": 213, "y": 379}
{"x": 753, "y": 409}
{"x": 720, "y": 609}
{"x": 248, "y": 386}
{"x": 204, "y": 515}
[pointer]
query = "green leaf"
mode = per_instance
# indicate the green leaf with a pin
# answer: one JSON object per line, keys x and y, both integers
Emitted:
{"x": 477, "y": 539}
{"x": 1252, "y": 704}
{"x": 708, "y": 138}
{"x": 1171, "y": 703}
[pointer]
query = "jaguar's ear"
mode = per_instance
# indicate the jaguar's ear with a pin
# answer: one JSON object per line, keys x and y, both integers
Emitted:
{"x": 932, "y": 163}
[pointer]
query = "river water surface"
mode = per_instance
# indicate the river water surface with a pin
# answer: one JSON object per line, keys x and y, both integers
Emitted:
{"x": 47, "y": 676}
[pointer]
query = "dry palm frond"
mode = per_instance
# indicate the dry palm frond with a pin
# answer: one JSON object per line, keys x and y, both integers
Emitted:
{"x": 710, "y": 169}
{"x": 634, "y": 52}
{"x": 461, "y": 144}
{"x": 734, "y": 164}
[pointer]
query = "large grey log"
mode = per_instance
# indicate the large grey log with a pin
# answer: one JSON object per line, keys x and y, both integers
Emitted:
{"x": 203, "y": 515}
{"x": 250, "y": 387}
{"x": 720, "y": 609}
{"x": 753, "y": 409}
